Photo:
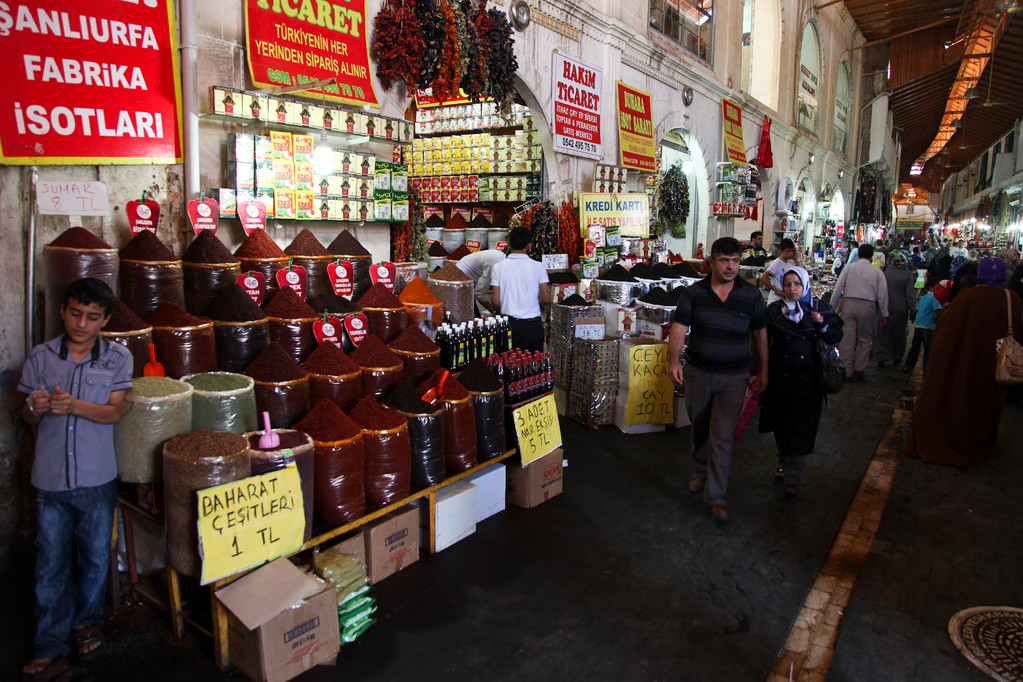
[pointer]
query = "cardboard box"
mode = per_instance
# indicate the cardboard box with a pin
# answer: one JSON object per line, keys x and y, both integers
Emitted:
{"x": 281, "y": 622}
{"x": 455, "y": 516}
{"x": 392, "y": 543}
{"x": 354, "y": 545}
{"x": 491, "y": 486}
{"x": 534, "y": 484}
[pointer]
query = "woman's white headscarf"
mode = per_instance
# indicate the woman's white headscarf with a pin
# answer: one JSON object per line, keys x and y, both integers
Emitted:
{"x": 792, "y": 309}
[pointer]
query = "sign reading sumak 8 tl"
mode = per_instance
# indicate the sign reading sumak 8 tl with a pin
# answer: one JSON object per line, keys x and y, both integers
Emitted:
{"x": 297, "y": 41}
{"x": 89, "y": 82}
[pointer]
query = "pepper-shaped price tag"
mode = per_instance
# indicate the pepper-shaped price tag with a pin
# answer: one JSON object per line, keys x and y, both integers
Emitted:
{"x": 327, "y": 329}
{"x": 501, "y": 246}
{"x": 254, "y": 284}
{"x": 383, "y": 273}
{"x": 143, "y": 215}
{"x": 293, "y": 276}
{"x": 473, "y": 245}
{"x": 356, "y": 327}
{"x": 253, "y": 216}
{"x": 203, "y": 214}
{"x": 341, "y": 275}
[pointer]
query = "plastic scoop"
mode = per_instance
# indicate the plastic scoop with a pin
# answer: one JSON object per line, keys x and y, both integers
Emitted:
{"x": 269, "y": 440}
{"x": 435, "y": 394}
{"x": 153, "y": 368}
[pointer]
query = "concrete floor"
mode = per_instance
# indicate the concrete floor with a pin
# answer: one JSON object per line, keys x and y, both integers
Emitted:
{"x": 625, "y": 577}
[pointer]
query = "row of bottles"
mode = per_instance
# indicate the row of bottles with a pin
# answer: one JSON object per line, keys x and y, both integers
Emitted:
{"x": 462, "y": 343}
{"x": 526, "y": 374}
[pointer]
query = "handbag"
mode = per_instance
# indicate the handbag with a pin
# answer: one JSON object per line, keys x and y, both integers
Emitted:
{"x": 829, "y": 368}
{"x": 1009, "y": 362}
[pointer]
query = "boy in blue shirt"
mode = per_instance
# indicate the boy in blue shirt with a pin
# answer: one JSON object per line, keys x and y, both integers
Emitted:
{"x": 926, "y": 319}
{"x": 75, "y": 385}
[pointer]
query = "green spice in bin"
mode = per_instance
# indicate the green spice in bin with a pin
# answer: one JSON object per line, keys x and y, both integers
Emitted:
{"x": 223, "y": 401}
{"x": 155, "y": 410}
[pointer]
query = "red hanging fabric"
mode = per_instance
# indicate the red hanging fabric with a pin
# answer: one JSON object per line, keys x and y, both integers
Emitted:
{"x": 765, "y": 159}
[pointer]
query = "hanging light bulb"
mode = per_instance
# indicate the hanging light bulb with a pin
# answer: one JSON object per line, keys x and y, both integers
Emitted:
{"x": 323, "y": 156}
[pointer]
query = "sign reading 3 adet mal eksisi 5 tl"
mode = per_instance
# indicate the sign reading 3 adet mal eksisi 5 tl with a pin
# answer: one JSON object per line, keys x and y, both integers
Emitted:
{"x": 537, "y": 428}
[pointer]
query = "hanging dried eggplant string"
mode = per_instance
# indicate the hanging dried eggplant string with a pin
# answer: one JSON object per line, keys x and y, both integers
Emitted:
{"x": 473, "y": 78}
{"x": 502, "y": 63}
{"x": 483, "y": 23}
{"x": 464, "y": 41}
{"x": 672, "y": 203}
{"x": 417, "y": 223}
{"x": 445, "y": 87}
{"x": 397, "y": 45}
{"x": 431, "y": 24}
{"x": 544, "y": 225}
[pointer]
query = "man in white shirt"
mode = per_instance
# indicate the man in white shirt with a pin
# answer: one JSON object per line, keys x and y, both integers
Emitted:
{"x": 777, "y": 269}
{"x": 479, "y": 267}
{"x": 520, "y": 290}
{"x": 861, "y": 292}
{"x": 959, "y": 250}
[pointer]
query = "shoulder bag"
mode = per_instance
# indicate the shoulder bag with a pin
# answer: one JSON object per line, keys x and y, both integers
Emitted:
{"x": 829, "y": 367}
{"x": 1009, "y": 363}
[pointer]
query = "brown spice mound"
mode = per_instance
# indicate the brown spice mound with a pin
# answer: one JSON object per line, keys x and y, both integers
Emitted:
{"x": 124, "y": 319}
{"x": 232, "y": 304}
{"x": 208, "y": 443}
{"x": 477, "y": 376}
{"x": 450, "y": 273}
{"x": 377, "y": 296}
{"x": 372, "y": 352}
{"x": 372, "y": 416}
{"x": 146, "y": 246}
{"x": 345, "y": 244}
{"x": 79, "y": 238}
{"x": 259, "y": 245}
{"x": 502, "y": 220}
{"x": 305, "y": 243}
{"x": 437, "y": 250}
{"x": 453, "y": 390}
{"x": 170, "y": 315}
{"x": 455, "y": 222}
{"x": 208, "y": 249}
{"x": 406, "y": 399}
{"x": 435, "y": 220}
{"x": 413, "y": 340}
{"x": 459, "y": 253}
{"x": 332, "y": 303}
{"x": 286, "y": 305}
{"x": 479, "y": 221}
{"x": 326, "y": 423}
{"x": 330, "y": 361}
{"x": 274, "y": 364}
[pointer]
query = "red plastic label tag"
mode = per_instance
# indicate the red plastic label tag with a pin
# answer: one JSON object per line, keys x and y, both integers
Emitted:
{"x": 328, "y": 329}
{"x": 143, "y": 215}
{"x": 341, "y": 277}
{"x": 384, "y": 273}
{"x": 356, "y": 327}
{"x": 294, "y": 277}
{"x": 203, "y": 214}
{"x": 254, "y": 284}
{"x": 253, "y": 216}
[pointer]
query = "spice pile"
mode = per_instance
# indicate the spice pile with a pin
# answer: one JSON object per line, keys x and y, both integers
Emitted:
{"x": 332, "y": 303}
{"x": 455, "y": 222}
{"x": 643, "y": 271}
{"x": 208, "y": 250}
{"x": 435, "y": 220}
{"x": 79, "y": 238}
{"x": 305, "y": 244}
{"x": 259, "y": 246}
{"x": 329, "y": 360}
{"x": 327, "y": 423}
{"x": 345, "y": 244}
{"x": 417, "y": 291}
{"x": 171, "y": 315}
{"x": 146, "y": 246}
{"x": 479, "y": 378}
{"x": 274, "y": 365}
{"x": 450, "y": 273}
{"x": 378, "y": 296}
{"x": 563, "y": 278}
{"x": 373, "y": 353}
{"x": 616, "y": 273}
{"x": 453, "y": 389}
{"x": 664, "y": 271}
{"x": 437, "y": 249}
{"x": 685, "y": 270}
{"x": 372, "y": 416}
{"x": 413, "y": 340}
{"x": 459, "y": 253}
{"x": 574, "y": 300}
{"x": 232, "y": 304}
{"x": 286, "y": 305}
{"x": 124, "y": 319}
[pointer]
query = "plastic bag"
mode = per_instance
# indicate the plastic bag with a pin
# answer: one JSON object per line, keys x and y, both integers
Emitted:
{"x": 380, "y": 381}
{"x": 137, "y": 343}
{"x": 203, "y": 281}
{"x": 145, "y": 425}
{"x": 459, "y": 435}
{"x": 457, "y": 298}
{"x": 301, "y": 447}
{"x": 147, "y": 284}
{"x": 388, "y": 466}
{"x": 749, "y": 405}
{"x": 345, "y": 389}
{"x": 238, "y": 343}
{"x": 295, "y": 336}
{"x": 230, "y": 409}
{"x": 490, "y": 433}
{"x": 286, "y": 401}
{"x": 385, "y": 323}
{"x": 267, "y": 266}
{"x": 339, "y": 471}
{"x": 63, "y": 265}
{"x": 186, "y": 350}
{"x": 317, "y": 282}
{"x": 418, "y": 366}
{"x": 426, "y": 436}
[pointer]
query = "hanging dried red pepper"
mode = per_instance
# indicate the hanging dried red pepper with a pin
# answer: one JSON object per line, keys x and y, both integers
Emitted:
{"x": 445, "y": 87}
{"x": 397, "y": 45}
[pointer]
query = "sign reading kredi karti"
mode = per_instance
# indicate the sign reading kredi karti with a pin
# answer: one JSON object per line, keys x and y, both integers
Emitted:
{"x": 89, "y": 82}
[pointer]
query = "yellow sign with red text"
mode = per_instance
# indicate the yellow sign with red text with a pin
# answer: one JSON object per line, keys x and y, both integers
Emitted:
{"x": 731, "y": 117}
{"x": 636, "y": 128}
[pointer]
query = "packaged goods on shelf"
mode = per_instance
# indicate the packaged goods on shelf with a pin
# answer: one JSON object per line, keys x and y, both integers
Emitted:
{"x": 594, "y": 381}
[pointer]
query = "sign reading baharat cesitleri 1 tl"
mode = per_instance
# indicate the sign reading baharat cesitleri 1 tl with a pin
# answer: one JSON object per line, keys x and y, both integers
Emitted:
{"x": 89, "y": 82}
{"x": 249, "y": 522}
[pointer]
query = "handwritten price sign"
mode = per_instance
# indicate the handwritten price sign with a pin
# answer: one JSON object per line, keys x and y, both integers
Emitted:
{"x": 537, "y": 428}
{"x": 650, "y": 386}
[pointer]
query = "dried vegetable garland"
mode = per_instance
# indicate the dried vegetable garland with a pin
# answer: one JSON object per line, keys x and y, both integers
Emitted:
{"x": 398, "y": 46}
{"x": 420, "y": 248}
{"x": 501, "y": 63}
{"x": 445, "y": 87}
{"x": 543, "y": 223}
{"x": 477, "y": 76}
{"x": 401, "y": 242}
{"x": 672, "y": 203}
{"x": 570, "y": 240}
{"x": 431, "y": 23}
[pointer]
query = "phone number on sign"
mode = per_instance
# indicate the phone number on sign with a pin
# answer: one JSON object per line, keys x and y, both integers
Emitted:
{"x": 581, "y": 145}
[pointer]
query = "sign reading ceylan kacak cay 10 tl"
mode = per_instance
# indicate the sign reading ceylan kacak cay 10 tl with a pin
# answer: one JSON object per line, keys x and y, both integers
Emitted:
{"x": 577, "y": 88}
{"x": 89, "y": 82}
{"x": 297, "y": 41}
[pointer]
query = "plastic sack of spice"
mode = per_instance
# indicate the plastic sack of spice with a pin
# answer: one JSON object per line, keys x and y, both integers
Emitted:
{"x": 291, "y": 323}
{"x": 294, "y": 445}
{"x": 76, "y": 253}
{"x": 223, "y": 401}
{"x": 459, "y": 422}
{"x": 382, "y": 370}
{"x": 339, "y": 464}
{"x": 420, "y": 303}
{"x": 281, "y": 387}
{"x": 385, "y": 314}
{"x": 184, "y": 343}
{"x": 455, "y": 290}
{"x": 259, "y": 253}
{"x": 333, "y": 375}
{"x": 385, "y": 437}
{"x": 149, "y": 274}
{"x": 419, "y": 355}
{"x": 129, "y": 330}
{"x": 240, "y": 328}
{"x": 426, "y": 434}
{"x": 487, "y": 393}
{"x": 192, "y": 462}
{"x": 208, "y": 268}
{"x": 155, "y": 410}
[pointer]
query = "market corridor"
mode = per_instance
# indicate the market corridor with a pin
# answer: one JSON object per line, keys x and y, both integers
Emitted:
{"x": 625, "y": 577}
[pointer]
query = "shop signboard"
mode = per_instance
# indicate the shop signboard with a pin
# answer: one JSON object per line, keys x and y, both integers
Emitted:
{"x": 90, "y": 83}
{"x": 636, "y": 129}
{"x": 426, "y": 100}
{"x": 577, "y": 88}
{"x": 290, "y": 43}
{"x": 731, "y": 120}
{"x": 630, "y": 212}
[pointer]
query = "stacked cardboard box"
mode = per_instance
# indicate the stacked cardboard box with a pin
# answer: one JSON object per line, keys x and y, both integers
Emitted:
{"x": 562, "y": 330}
{"x": 594, "y": 381}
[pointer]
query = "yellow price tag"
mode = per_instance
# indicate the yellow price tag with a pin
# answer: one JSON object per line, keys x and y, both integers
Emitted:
{"x": 537, "y": 428}
{"x": 249, "y": 522}
{"x": 650, "y": 386}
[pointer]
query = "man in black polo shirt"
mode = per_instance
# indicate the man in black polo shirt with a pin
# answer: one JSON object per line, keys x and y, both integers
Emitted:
{"x": 720, "y": 313}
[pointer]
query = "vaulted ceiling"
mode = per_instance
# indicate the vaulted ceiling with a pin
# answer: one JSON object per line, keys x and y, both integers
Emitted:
{"x": 932, "y": 44}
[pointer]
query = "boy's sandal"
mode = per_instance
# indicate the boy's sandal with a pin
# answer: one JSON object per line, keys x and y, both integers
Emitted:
{"x": 57, "y": 670}
{"x": 88, "y": 641}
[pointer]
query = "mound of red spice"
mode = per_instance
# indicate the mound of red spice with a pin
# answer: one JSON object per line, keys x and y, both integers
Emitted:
{"x": 305, "y": 243}
{"x": 168, "y": 314}
{"x": 417, "y": 291}
{"x": 274, "y": 364}
{"x": 406, "y": 399}
{"x": 326, "y": 423}
{"x": 372, "y": 416}
{"x": 455, "y": 222}
{"x": 258, "y": 246}
{"x": 377, "y": 296}
{"x": 453, "y": 390}
{"x": 208, "y": 250}
{"x": 437, "y": 250}
{"x": 286, "y": 305}
{"x": 413, "y": 340}
{"x": 459, "y": 253}
{"x": 479, "y": 221}
{"x": 330, "y": 361}
{"x": 373, "y": 353}
{"x": 332, "y": 303}
{"x": 502, "y": 220}
{"x": 435, "y": 220}
{"x": 477, "y": 376}
{"x": 232, "y": 304}
{"x": 146, "y": 246}
{"x": 124, "y": 319}
{"x": 345, "y": 244}
{"x": 79, "y": 238}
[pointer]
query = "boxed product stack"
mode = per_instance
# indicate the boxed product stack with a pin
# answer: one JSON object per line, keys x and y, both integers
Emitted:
{"x": 562, "y": 327}
{"x": 347, "y": 574}
{"x": 595, "y": 381}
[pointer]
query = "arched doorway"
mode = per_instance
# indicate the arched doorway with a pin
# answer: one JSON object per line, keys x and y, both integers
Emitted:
{"x": 679, "y": 147}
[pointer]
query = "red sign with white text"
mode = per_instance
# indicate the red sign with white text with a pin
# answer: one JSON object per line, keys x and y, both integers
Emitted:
{"x": 577, "y": 89}
{"x": 143, "y": 214}
{"x": 203, "y": 215}
{"x": 293, "y": 42}
{"x": 89, "y": 83}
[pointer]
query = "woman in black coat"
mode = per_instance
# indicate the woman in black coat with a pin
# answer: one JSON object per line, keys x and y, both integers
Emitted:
{"x": 791, "y": 405}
